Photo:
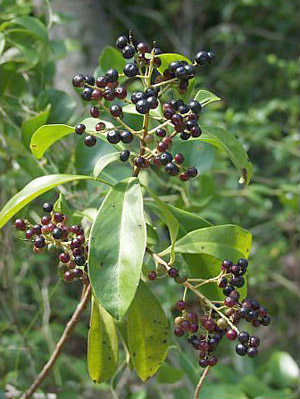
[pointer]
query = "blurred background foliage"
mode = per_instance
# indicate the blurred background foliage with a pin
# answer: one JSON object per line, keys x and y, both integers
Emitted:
{"x": 42, "y": 45}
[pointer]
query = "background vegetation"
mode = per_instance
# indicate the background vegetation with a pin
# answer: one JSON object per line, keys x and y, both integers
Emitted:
{"x": 256, "y": 76}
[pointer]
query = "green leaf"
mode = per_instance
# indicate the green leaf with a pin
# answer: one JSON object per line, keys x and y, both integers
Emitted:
{"x": 226, "y": 141}
{"x": 62, "y": 105}
{"x": 90, "y": 124}
{"x": 32, "y": 124}
{"x": 223, "y": 242}
{"x": 105, "y": 161}
{"x": 283, "y": 371}
{"x": 47, "y": 135}
{"x": 34, "y": 25}
{"x": 147, "y": 332}
{"x": 225, "y": 391}
{"x": 169, "y": 220}
{"x": 167, "y": 58}
{"x": 2, "y": 43}
{"x": 152, "y": 236}
{"x": 34, "y": 189}
{"x": 111, "y": 56}
{"x": 205, "y": 97}
{"x": 103, "y": 351}
{"x": 115, "y": 259}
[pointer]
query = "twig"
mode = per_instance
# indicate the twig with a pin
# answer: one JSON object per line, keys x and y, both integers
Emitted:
{"x": 59, "y": 346}
{"x": 200, "y": 383}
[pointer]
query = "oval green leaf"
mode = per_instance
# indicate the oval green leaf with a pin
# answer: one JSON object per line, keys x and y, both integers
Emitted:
{"x": 167, "y": 58}
{"x": 223, "y": 242}
{"x": 103, "y": 351}
{"x": 117, "y": 246}
{"x": 226, "y": 141}
{"x": 32, "y": 190}
{"x": 47, "y": 135}
{"x": 105, "y": 161}
{"x": 205, "y": 97}
{"x": 147, "y": 333}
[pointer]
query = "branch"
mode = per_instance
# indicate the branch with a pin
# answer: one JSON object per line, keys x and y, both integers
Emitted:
{"x": 200, "y": 383}
{"x": 59, "y": 346}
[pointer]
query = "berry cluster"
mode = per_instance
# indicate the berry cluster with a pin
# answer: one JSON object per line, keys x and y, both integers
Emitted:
{"x": 54, "y": 234}
{"x": 218, "y": 319}
{"x": 177, "y": 117}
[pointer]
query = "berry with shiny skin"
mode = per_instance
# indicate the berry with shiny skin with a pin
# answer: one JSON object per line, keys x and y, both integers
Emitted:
{"x": 80, "y": 129}
{"x": 20, "y": 224}
{"x": 184, "y": 176}
{"x": 121, "y": 92}
{"x": 130, "y": 70}
{"x": 101, "y": 82}
{"x": 47, "y": 207}
{"x": 39, "y": 242}
{"x": 79, "y": 260}
{"x": 126, "y": 137}
{"x": 113, "y": 136}
{"x": 231, "y": 334}
{"x": 143, "y": 48}
{"x": 124, "y": 155}
{"x": 162, "y": 147}
{"x": 68, "y": 276}
{"x": 185, "y": 136}
{"x": 178, "y": 332}
{"x": 172, "y": 169}
{"x": 94, "y": 112}
{"x": 90, "y": 80}
{"x": 112, "y": 75}
{"x": 252, "y": 352}
{"x": 64, "y": 257}
{"x": 86, "y": 94}
{"x": 100, "y": 126}
{"x": 109, "y": 94}
{"x": 90, "y": 140}
{"x": 179, "y": 158}
{"x": 128, "y": 51}
{"x": 152, "y": 102}
{"x": 121, "y": 42}
{"x": 243, "y": 337}
{"x": 116, "y": 111}
{"x": 202, "y": 57}
{"x": 192, "y": 172}
{"x": 57, "y": 233}
{"x": 180, "y": 305}
{"x": 195, "y": 106}
{"x": 165, "y": 158}
{"x": 137, "y": 96}
{"x": 203, "y": 363}
{"x": 266, "y": 320}
{"x": 78, "y": 80}
{"x": 241, "y": 349}
{"x": 142, "y": 106}
{"x": 211, "y": 56}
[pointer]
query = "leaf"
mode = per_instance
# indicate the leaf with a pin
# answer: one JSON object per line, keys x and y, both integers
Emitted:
{"x": 225, "y": 391}
{"x": 115, "y": 259}
{"x": 205, "y": 97}
{"x": 34, "y": 189}
{"x": 169, "y": 220}
{"x": 2, "y": 43}
{"x": 283, "y": 370}
{"x": 62, "y": 105}
{"x": 103, "y": 351}
{"x": 223, "y": 242}
{"x": 32, "y": 124}
{"x": 33, "y": 25}
{"x": 111, "y": 56}
{"x": 226, "y": 141}
{"x": 47, "y": 135}
{"x": 147, "y": 333}
{"x": 104, "y": 161}
{"x": 90, "y": 124}
{"x": 152, "y": 236}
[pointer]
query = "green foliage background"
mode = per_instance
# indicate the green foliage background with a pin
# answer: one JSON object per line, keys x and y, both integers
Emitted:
{"x": 256, "y": 75}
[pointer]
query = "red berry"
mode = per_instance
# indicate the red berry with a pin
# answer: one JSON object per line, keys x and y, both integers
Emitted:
{"x": 152, "y": 276}
{"x": 180, "y": 305}
{"x": 212, "y": 361}
{"x": 172, "y": 272}
{"x": 162, "y": 147}
{"x": 20, "y": 224}
{"x": 68, "y": 276}
{"x": 64, "y": 257}
{"x": 230, "y": 302}
{"x": 179, "y": 158}
{"x": 178, "y": 332}
{"x": 121, "y": 92}
{"x": 96, "y": 95}
{"x": 45, "y": 220}
{"x": 184, "y": 176}
{"x": 100, "y": 126}
{"x": 94, "y": 111}
{"x": 231, "y": 335}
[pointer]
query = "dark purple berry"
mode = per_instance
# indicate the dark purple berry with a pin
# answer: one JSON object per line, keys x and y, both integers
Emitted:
{"x": 152, "y": 276}
{"x": 252, "y": 352}
{"x": 172, "y": 272}
{"x": 124, "y": 155}
{"x": 39, "y": 242}
{"x": 142, "y": 106}
{"x": 20, "y": 224}
{"x": 128, "y": 51}
{"x": 172, "y": 169}
{"x": 112, "y": 75}
{"x": 179, "y": 158}
{"x": 101, "y": 82}
{"x": 243, "y": 337}
{"x": 116, "y": 110}
{"x": 165, "y": 158}
{"x": 180, "y": 305}
{"x": 57, "y": 233}
{"x": 254, "y": 342}
{"x": 192, "y": 172}
{"x": 178, "y": 332}
{"x": 109, "y": 94}
{"x": 94, "y": 112}
{"x": 79, "y": 260}
{"x": 120, "y": 92}
{"x": 266, "y": 320}
{"x": 113, "y": 136}
{"x": 64, "y": 257}
{"x": 86, "y": 94}
{"x": 241, "y": 349}
{"x": 90, "y": 141}
{"x": 78, "y": 80}
{"x": 121, "y": 42}
{"x": 185, "y": 136}
{"x": 203, "y": 363}
{"x": 47, "y": 207}
{"x": 90, "y": 80}
{"x": 202, "y": 57}
{"x": 126, "y": 137}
